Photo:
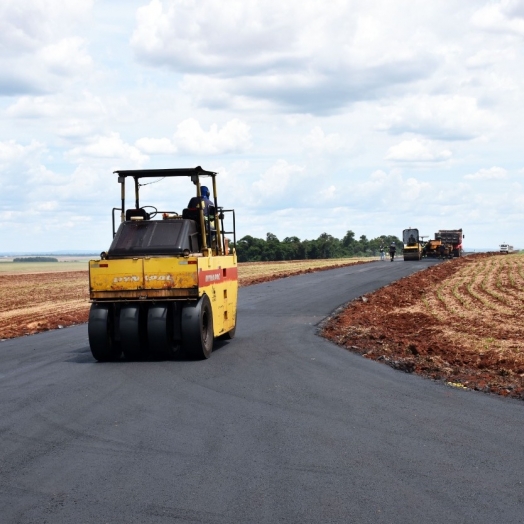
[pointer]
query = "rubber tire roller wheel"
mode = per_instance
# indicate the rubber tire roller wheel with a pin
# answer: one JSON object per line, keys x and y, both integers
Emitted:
{"x": 160, "y": 331}
{"x": 100, "y": 331}
{"x": 133, "y": 331}
{"x": 197, "y": 328}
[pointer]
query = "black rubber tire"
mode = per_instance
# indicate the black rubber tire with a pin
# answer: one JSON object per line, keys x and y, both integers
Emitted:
{"x": 100, "y": 332}
{"x": 133, "y": 331}
{"x": 160, "y": 331}
{"x": 197, "y": 328}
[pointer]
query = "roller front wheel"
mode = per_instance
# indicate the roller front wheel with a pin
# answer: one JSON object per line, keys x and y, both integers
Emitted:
{"x": 197, "y": 328}
{"x": 100, "y": 330}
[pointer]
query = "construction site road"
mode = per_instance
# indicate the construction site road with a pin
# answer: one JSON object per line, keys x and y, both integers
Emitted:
{"x": 279, "y": 425}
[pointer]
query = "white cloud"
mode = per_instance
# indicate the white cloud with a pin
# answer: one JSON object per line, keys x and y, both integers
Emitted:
{"x": 50, "y": 205}
{"x": 74, "y": 115}
{"x": 506, "y": 16}
{"x": 80, "y": 115}
{"x": 380, "y": 192}
{"x": 38, "y": 44}
{"x": 444, "y": 117}
{"x": 193, "y": 36}
{"x": 493, "y": 173}
{"x": 82, "y": 104}
{"x": 416, "y": 150}
{"x": 26, "y": 181}
{"x": 12, "y": 152}
{"x": 66, "y": 57}
{"x": 20, "y": 166}
{"x": 275, "y": 181}
{"x": 297, "y": 55}
{"x": 318, "y": 142}
{"x": 218, "y": 93}
{"x": 156, "y": 146}
{"x": 233, "y": 137}
{"x": 491, "y": 57}
{"x": 328, "y": 193}
{"x": 391, "y": 187}
{"x": 108, "y": 147}
{"x": 27, "y": 26}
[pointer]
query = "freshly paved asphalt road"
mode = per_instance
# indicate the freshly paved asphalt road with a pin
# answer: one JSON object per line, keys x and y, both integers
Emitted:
{"x": 278, "y": 426}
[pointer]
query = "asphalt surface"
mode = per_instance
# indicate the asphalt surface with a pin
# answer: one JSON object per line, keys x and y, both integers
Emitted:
{"x": 279, "y": 425}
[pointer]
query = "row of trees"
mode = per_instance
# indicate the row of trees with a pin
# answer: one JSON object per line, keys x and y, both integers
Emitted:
{"x": 35, "y": 259}
{"x": 250, "y": 249}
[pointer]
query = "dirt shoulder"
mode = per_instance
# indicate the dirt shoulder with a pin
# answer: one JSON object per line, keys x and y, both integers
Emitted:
{"x": 32, "y": 300}
{"x": 458, "y": 322}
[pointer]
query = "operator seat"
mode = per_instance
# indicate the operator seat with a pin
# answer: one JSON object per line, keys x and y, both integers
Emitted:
{"x": 141, "y": 213}
{"x": 193, "y": 213}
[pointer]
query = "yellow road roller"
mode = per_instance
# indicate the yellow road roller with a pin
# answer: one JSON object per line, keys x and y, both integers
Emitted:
{"x": 168, "y": 284}
{"x": 412, "y": 244}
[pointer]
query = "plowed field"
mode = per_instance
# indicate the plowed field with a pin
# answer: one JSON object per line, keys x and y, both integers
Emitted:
{"x": 460, "y": 322}
{"x": 32, "y": 301}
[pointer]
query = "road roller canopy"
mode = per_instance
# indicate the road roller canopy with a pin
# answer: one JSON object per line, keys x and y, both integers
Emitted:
{"x": 142, "y": 229}
{"x": 410, "y": 236}
{"x": 154, "y": 173}
{"x": 194, "y": 173}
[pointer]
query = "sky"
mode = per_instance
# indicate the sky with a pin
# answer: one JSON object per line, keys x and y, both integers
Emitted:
{"x": 320, "y": 117}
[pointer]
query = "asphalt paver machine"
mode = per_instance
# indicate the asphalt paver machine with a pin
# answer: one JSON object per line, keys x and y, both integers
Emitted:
{"x": 168, "y": 284}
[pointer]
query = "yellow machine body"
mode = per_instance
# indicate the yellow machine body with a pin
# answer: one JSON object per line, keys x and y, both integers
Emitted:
{"x": 412, "y": 244}
{"x": 413, "y": 252}
{"x": 170, "y": 278}
{"x": 438, "y": 249}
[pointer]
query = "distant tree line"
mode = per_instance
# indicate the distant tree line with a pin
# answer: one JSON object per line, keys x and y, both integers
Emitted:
{"x": 251, "y": 249}
{"x": 35, "y": 259}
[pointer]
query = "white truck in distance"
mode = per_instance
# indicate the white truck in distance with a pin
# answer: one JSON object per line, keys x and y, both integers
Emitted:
{"x": 506, "y": 249}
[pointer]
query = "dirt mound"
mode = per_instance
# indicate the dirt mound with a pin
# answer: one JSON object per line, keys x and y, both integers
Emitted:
{"x": 459, "y": 322}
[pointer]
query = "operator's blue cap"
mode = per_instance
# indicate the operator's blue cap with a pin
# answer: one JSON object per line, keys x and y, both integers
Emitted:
{"x": 204, "y": 191}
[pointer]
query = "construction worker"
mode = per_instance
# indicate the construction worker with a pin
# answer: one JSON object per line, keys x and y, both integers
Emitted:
{"x": 392, "y": 250}
{"x": 202, "y": 201}
{"x": 209, "y": 212}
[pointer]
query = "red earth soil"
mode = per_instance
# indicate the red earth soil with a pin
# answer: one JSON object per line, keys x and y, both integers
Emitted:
{"x": 384, "y": 326}
{"x": 36, "y": 302}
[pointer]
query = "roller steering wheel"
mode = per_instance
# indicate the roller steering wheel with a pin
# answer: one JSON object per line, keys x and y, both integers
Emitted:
{"x": 152, "y": 214}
